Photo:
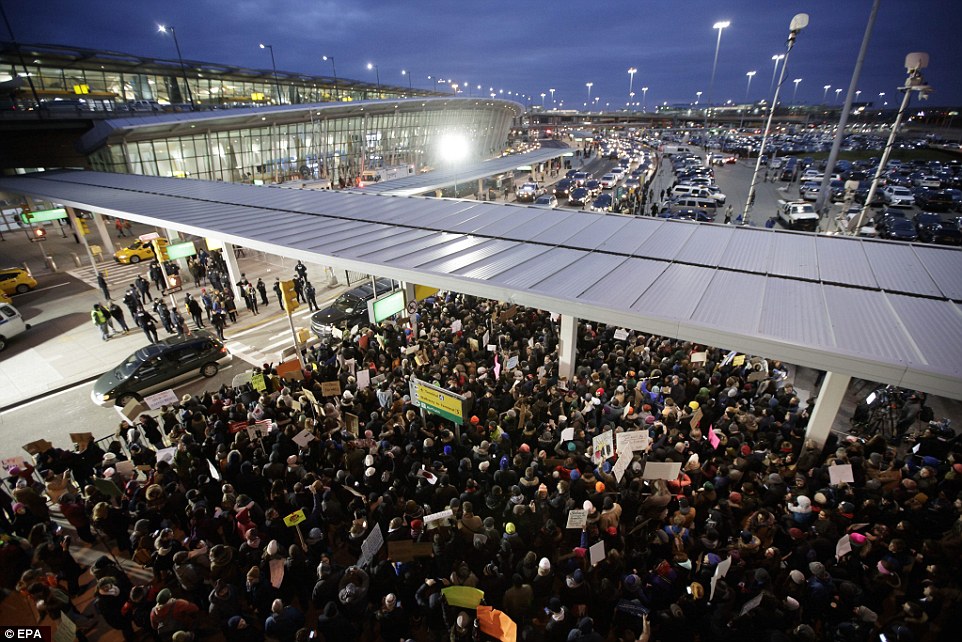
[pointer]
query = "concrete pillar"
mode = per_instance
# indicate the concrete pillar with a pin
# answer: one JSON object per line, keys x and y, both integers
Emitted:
{"x": 481, "y": 195}
{"x": 233, "y": 270}
{"x": 173, "y": 237}
{"x": 826, "y": 407}
{"x": 106, "y": 243}
{"x": 567, "y": 347}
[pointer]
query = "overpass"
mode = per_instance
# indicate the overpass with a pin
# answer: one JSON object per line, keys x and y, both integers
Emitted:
{"x": 880, "y": 310}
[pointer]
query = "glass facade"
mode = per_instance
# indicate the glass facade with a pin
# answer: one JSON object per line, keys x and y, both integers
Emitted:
{"x": 334, "y": 146}
{"x": 104, "y": 81}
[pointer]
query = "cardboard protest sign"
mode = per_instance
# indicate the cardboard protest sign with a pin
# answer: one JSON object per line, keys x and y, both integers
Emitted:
{"x": 258, "y": 382}
{"x": 277, "y": 572}
{"x": 290, "y": 370}
{"x": 602, "y": 447}
{"x": 661, "y": 470}
{"x": 330, "y": 388}
{"x": 107, "y": 487}
{"x": 698, "y": 357}
{"x": 295, "y": 518}
{"x": 163, "y": 398}
{"x": 840, "y": 473}
{"x": 756, "y": 375}
{"x": 372, "y": 544}
{"x": 621, "y": 466}
{"x": 10, "y": 462}
{"x": 132, "y": 409}
{"x": 497, "y": 624}
{"x": 125, "y": 468}
{"x": 695, "y": 418}
{"x": 596, "y": 552}
{"x": 81, "y": 438}
{"x": 303, "y": 438}
{"x": 632, "y": 441}
{"x": 577, "y": 518}
{"x": 352, "y": 423}
{"x": 508, "y": 314}
{"x": 466, "y": 597}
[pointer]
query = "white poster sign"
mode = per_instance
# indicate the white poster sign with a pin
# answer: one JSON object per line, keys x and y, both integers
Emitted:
{"x": 661, "y": 470}
{"x": 162, "y": 398}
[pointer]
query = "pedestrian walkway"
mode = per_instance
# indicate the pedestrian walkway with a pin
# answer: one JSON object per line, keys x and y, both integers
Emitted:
{"x": 119, "y": 276}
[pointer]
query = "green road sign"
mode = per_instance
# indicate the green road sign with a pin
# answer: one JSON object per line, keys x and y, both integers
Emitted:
{"x": 181, "y": 250}
{"x": 44, "y": 215}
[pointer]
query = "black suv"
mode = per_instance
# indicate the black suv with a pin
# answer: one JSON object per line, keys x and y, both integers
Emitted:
{"x": 159, "y": 366}
{"x": 348, "y": 310}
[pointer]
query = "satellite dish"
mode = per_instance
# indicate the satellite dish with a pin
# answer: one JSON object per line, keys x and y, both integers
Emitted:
{"x": 799, "y": 22}
{"x": 916, "y": 60}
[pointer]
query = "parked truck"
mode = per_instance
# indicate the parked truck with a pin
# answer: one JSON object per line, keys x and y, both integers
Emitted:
{"x": 798, "y": 215}
{"x": 386, "y": 173}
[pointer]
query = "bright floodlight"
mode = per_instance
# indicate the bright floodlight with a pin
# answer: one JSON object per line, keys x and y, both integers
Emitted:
{"x": 916, "y": 60}
{"x": 722, "y": 25}
{"x": 799, "y": 22}
{"x": 263, "y": 46}
{"x": 161, "y": 28}
{"x": 370, "y": 65}
{"x": 454, "y": 147}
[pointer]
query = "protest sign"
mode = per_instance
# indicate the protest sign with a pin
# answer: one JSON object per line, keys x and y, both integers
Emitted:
{"x": 330, "y": 388}
{"x": 632, "y": 441}
{"x": 621, "y": 334}
{"x": 466, "y": 597}
{"x": 596, "y": 552}
{"x": 577, "y": 518}
{"x": 840, "y": 473}
{"x": 602, "y": 447}
{"x": 295, "y": 518}
{"x": 843, "y": 546}
{"x": 303, "y": 438}
{"x": 372, "y": 544}
{"x": 162, "y": 398}
{"x": 661, "y": 470}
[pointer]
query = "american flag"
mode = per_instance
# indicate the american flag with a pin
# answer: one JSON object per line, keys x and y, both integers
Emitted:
{"x": 263, "y": 426}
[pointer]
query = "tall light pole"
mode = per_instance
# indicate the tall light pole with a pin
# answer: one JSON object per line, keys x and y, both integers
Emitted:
{"x": 552, "y": 98}
{"x": 337, "y": 95}
{"x": 799, "y": 22}
{"x": 857, "y": 94}
{"x": 795, "y": 92}
{"x": 881, "y": 98}
{"x": 542, "y": 100}
{"x": 750, "y": 74}
{"x": 775, "y": 58}
{"x": 377, "y": 76}
{"x": 589, "y": 85}
{"x": 698, "y": 97}
{"x": 825, "y": 93}
{"x": 644, "y": 99}
{"x": 631, "y": 98}
{"x": 277, "y": 86}
{"x": 837, "y": 93}
{"x": 404, "y": 72}
{"x": 914, "y": 64}
{"x": 180, "y": 59}
{"x": 631, "y": 81}
{"x": 721, "y": 26}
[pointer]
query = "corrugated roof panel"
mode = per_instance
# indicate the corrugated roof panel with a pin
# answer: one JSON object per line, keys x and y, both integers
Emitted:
{"x": 506, "y": 226}
{"x": 469, "y": 256}
{"x": 581, "y": 275}
{"x": 444, "y": 219}
{"x": 632, "y": 236}
{"x": 945, "y": 268}
{"x": 706, "y": 245}
{"x": 621, "y": 287}
{"x": 842, "y": 260}
{"x": 390, "y": 233}
{"x": 603, "y": 229}
{"x": 732, "y": 302}
{"x": 437, "y": 252}
{"x": 667, "y": 240}
{"x": 506, "y": 260}
{"x": 558, "y": 232}
{"x": 898, "y": 269}
{"x": 865, "y": 325}
{"x": 526, "y": 274}
{"x": 793, "y": 255}
{"x": 531, "y": 227}
{"x": 935, "y": 328}
{"x": 327, "y": 242}
{"x": 400, "y": 238}
{"x": 749, "y": 250}
{"x": 676, "y": 292}
{"x": 477, "y": 224}
{"x": 389, "y": 254}
{"x": 795, "y": 311}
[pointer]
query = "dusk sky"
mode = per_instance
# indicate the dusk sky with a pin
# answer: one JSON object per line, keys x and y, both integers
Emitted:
{"x": 528, "y": 47}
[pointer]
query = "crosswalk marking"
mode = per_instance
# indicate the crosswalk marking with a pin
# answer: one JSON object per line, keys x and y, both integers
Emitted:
{"x": 118, "y": 276}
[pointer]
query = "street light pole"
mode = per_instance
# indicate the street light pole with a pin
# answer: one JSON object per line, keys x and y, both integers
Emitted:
{"x": 644, "y": 99}
{"x": 631, "y": 81}
{"x": 589, "y": 85}
{"x": 542, "y": 100}
{"x": 337, "y": 95}
{"x": 721, "y": 26}
{"x": 750, "y": 74}
{"x": 914, "y": 64}
{"x": 405, "y": 73}
{"x": 795, "y": 92}
{"x": 277, "y": 85}
{"x": 799, "y": 22}
{"x": 825, "y": 94}
{"x": 775, "y": 58}
{"x": 837, "y": 93}
{"x": 180, "y": 59}
{"x": 377, "y": 76}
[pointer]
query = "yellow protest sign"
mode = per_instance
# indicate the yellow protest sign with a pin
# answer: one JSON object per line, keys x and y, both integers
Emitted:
{"x": 463, "y": 596}
{"x": 295, "y": 518}
{"x": 738, "y": 361}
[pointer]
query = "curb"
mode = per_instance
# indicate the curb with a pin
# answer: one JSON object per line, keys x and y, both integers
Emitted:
{"x": 74, "y": 384}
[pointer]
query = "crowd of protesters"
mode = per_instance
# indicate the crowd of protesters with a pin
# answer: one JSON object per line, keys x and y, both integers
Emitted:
{"x": 214, "y": 477}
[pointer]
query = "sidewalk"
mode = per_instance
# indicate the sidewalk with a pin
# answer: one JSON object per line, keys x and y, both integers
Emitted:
{"x": 62, "y": 348}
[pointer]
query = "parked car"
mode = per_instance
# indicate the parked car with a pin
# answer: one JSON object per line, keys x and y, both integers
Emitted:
{"x": 11, "y": 324}
{"x": 898, "y": 196}
{"x": 16, "y": 280}
{"x": 933, "y": 200}
{"x": 897, "y": 229}
{"x": 159, "y": 366}
{"x": 348, "y": 310}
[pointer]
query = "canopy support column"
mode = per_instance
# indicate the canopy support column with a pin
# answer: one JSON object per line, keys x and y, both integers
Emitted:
{"x": 567, "y": 347}
{"x": 233, "y": 270}
{"x": 826, "y": 407}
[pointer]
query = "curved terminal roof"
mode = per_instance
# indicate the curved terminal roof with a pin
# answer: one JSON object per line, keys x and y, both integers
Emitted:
{"x": 879, "y": 310}
{"x": 173, "y": 124}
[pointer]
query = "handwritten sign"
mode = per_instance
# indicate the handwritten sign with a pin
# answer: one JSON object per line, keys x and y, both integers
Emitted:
{"x": 456, "y": 326}
{"x": 512, "y": 363}
{"x": 577, "y": 518}
{"x": 699, "y": 357}
{"x": 303, "y": 438}
{"x": 596, "y": 553}
{"x": 406, "y": 550}
{"x": 632, "y": 441}
{"x": 439, "y": 516}
{"x": 277, "y": 572}
{"x": 258, "y": 382}
{"x": 81, "y": 438}
{"x": 463, "y": 596}
{"x": 163, "y": 398}
{"x": 330, "y": 388}
{"x": 295, "y": 518}
{"x": 840, "y": 473}
{"x": 621, "y": 334}
{"x": 166, "y": 454}
{"x": 621, "y": 466}
{"x": 661, "y": 470}
{"x": 721, "y": 569}
{"x": 738, "y": 361}
{"x": 843, "y": 546}
{"x": 352, "y": 423}
{"x": 363, "y": 379}
{"x": 602, "y": 447}
{"x": 568, "y": 434}
{"x": 372, "y": 544}
{"x": 696, "y": 417}
{"x": 713, "y": 438}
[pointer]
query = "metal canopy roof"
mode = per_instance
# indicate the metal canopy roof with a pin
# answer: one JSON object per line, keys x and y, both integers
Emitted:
{"x": 429, "y": 181}
{"x": 883, "y": 311}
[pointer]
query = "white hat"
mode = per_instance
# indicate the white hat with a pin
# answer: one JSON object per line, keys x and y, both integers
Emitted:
{"x": 348, "y": 395}
{"x": 390, "y": 601}
{"x": 369, "y": 460}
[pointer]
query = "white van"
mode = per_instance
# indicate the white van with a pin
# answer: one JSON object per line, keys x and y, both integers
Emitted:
{"x": 11, "y": 324}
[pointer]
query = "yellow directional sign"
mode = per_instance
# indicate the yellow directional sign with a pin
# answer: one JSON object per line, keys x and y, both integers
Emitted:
{"x": 437, "y": 401}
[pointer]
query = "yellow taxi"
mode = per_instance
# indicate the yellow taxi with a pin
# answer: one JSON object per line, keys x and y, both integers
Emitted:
{"x": 135, "y": 252}
{"x": 16, "y": 280}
